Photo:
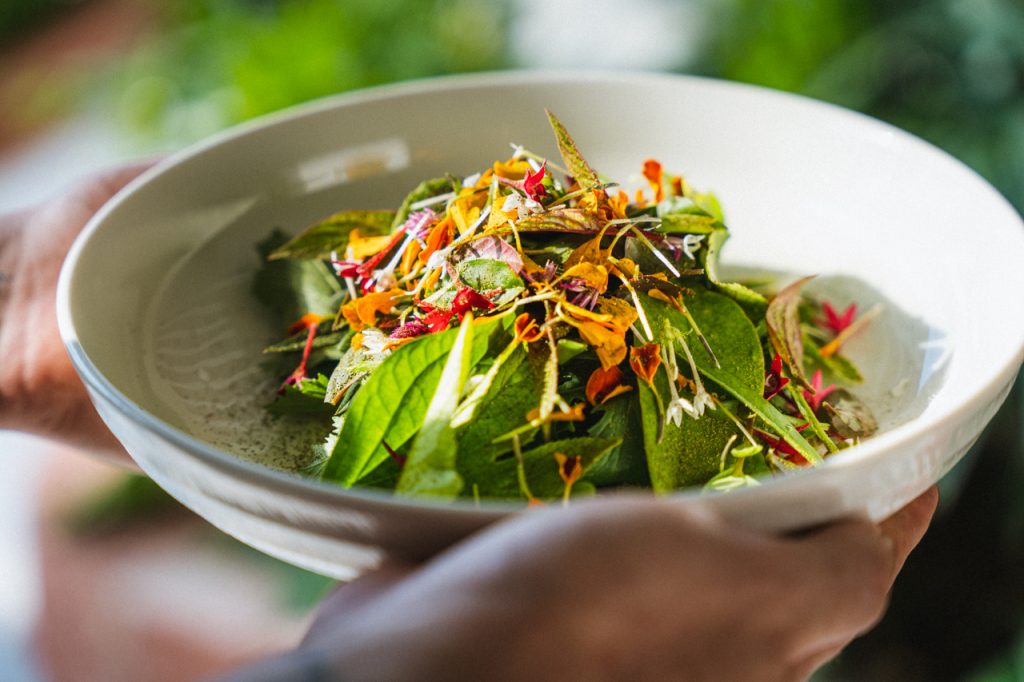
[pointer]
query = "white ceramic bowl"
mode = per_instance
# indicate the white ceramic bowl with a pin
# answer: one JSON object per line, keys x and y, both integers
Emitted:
{"x": 155, "y": 307}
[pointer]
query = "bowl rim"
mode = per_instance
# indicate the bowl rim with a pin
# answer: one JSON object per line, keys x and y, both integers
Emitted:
{"x": 991, "y": 383}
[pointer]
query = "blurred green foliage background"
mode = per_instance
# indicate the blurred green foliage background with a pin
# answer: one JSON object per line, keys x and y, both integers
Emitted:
{"x": 951, "y": 71}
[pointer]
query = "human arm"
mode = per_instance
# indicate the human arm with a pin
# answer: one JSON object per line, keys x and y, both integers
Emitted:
{"x": 619, "y": 588}
{"x": 39, "y": 390}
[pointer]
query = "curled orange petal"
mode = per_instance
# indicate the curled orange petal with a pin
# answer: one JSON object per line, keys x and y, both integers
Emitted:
{"x": 574, "y": 414}
{"x": 570, "y": 468}
{"x": 605, "y": 384}
{"x": 362, "y": 312}
{"x": 527, "y": 329}
{"x": 654, "y": 173}
{"x": 645, "y": 360}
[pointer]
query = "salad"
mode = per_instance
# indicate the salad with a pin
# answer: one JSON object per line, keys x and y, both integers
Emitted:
{"x": 536, "y": 331}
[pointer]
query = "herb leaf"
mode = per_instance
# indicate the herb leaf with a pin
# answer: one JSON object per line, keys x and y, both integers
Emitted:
{"x": 392, "y": 403}
{"x": 735, "y": 342}
{"x": 331, "y": 234}
{"x": 688, "y": 454}
{"x": 424, "y": 190}
{"x": 542, "y": 469}
{"x": 574, "y": 161}
{"x": 430, "y": 467}
{"x": 783, "y": 322}
{"x": 487, "y": 274}
{"x": 625, "y": 464}
{"x": 753, "y": 302}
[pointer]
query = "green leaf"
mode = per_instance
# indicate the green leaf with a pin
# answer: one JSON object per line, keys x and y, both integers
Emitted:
{"x": 514, "y": 391}
{"x": 541, "y": 467}
{"x": 733, "y": 339}
{"x": 688, "y": 454}
{"x": 424, "y": 190}
{"x": 297, "y": 342}
{"x": 625, "y": 464}
{"x": 574, "y": 161}
{"x": 835, "y": 368}
{"x": 331, "y": 234}
{"x": 293, "y": 288}
{"x": 754, "y": 303}
{"x": 305, "y": 399}
{"x": 782, "y": 320}
{"x": 569, "y": 220}
{"x": 430, "y": 465}
{"x": 392, "y": 403}
{"x": 487, "y": 274}
{"x": 687, "y": 222}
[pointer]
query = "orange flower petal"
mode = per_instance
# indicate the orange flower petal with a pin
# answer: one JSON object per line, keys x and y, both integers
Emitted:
{"x": 527, "y": 329}
{"x": 569, "y": 469}
{"x": 605, "y": 384}
{"x": 596, "y": 276}
{"x": 653, "y": 173}
{"x": 362, "y": 312}
{"x": 645, "y": 360}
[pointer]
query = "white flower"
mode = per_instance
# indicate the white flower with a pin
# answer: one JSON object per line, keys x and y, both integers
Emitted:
{"x": 523, "y": 206}
{"x": 438, "y": 258}
{"x": 690, "y": 243}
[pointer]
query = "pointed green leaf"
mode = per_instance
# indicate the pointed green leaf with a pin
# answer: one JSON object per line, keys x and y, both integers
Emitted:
{"x": 424, "y": 190}
{"x": 293, "y": 288}
{"x": 331, "y": 234}
{"x": 574, "y": 161}
{"x": 625, "y": 464}
{"x": 393, "y": 402}
{"x": 753, "y": 302}
{"x": 688, "y": 454}
{"x": 733, "y": 339}
{"x": 430, "y": 465}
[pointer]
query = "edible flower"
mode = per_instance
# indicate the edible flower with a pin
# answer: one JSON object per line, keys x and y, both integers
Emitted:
{"x": 605, "y": 384}
{"x": 774, "y": 382}
{"x": 835, "y": 321}
{"x": 817, "y": 394}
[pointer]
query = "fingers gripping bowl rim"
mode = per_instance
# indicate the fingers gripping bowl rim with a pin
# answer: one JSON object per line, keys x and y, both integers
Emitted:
{"x": 829, "y": 180}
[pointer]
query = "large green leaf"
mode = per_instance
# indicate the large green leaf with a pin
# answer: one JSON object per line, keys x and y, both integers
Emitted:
{"x": 753, "y": 302}
{"x": 391, "y": 404}
{"x": 515, "y": 390}
{"x": 430, "y": 465}
{"x": 688, "y": 454}
{"x": 574, "y": 161}
{"x": 331, "y": 234}
{"x": 734, "y": 341}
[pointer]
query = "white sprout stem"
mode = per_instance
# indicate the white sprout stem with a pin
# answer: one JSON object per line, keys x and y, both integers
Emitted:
{"x": 640, "y": 311}
{"x": 657, "y": 253}
{"x": 430, "y": 201}
{"x": 397, "y": 258}
{"x": 725, "y": 451}
{"x": 701, "y": 395}
{"x": 350, "y": 283}
{"x": 735, "y": 420}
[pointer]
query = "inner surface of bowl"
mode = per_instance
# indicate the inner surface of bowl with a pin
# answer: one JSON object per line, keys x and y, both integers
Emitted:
{"x": 159, "y": 294}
